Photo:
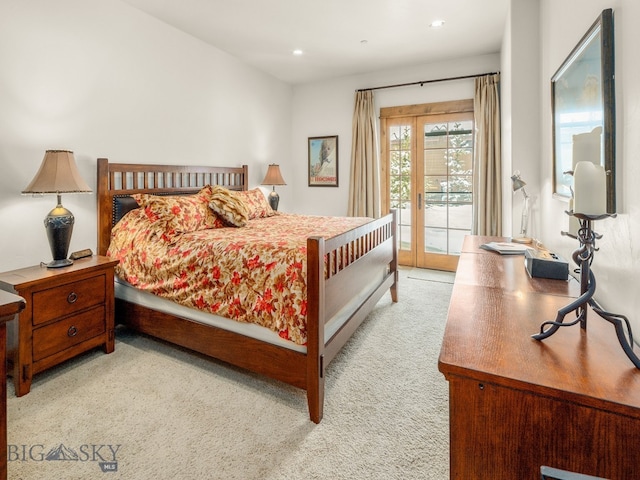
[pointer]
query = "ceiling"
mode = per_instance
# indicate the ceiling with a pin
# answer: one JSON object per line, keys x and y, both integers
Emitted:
{"x": 338, "y": 37}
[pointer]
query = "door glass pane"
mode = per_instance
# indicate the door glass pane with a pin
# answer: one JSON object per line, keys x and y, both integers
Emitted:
{"x": 404, "y": 237}
{"x": 460, "y": 215}
{"x": 435, "y": 161}
{"x": 459, "y": 188}
{"x": 456, "y": 238}
{"x": 400, "y": 181}
{"x": 435, "y": 240}
{"x": 460, "y": 160}
{"x": 433, "y": 198}
{"x": 435, "y": 184}
{"x": 394, "y": 136}
{"x": 435, "y": 215}
{"x": 435, "y": 135}
{"x": 394, "y": 163}
{"x": 461, "y": 134}
{"x": 448, "y": 185}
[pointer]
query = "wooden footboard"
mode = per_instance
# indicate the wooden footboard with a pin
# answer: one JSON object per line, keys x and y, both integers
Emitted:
{"x": 355, "y": 259}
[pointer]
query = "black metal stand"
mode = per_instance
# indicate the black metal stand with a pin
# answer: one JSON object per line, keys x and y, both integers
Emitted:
{"x": 583, "y": 257}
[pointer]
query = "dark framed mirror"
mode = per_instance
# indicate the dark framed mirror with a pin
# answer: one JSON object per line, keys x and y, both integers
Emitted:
{"x": 583, "y": 105}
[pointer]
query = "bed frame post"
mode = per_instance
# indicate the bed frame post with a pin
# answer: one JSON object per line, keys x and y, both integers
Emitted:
{"x": 394, "y": 263}
{"x": 105, "y": 206}
{"x": 315, "y": 327}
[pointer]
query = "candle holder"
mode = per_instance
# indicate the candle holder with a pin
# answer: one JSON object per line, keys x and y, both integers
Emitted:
{"x": 583, "y": 257}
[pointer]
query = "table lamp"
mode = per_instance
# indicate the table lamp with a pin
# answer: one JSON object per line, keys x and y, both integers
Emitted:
{"x": 518, "y": 184}
{"x": 58, "y": 174}
{"x": 273, "y": 177}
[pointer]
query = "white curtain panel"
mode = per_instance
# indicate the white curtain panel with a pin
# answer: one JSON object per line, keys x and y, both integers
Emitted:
{"x": 487, "y": 215}
{"x": 364, "y": 183}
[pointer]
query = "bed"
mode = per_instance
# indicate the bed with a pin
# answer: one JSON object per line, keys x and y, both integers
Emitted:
{"x": 346, "y": 275}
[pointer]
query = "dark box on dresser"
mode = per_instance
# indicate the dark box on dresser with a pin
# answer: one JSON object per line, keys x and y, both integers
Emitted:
{"x": 545, "y": 264}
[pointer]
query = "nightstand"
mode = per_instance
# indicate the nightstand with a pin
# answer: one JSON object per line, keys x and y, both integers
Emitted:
{"x": 69, "y": 311}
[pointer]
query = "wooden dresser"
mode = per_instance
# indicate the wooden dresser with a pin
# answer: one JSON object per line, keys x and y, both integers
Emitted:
{"x": 571, "y": 401}
{"x": 10, "y": 305}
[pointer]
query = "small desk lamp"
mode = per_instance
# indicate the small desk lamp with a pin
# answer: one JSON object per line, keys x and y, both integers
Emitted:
{"x": 273, "y": 177}
{"x": 518, "y": 184}
{"x": 58, "y": 174}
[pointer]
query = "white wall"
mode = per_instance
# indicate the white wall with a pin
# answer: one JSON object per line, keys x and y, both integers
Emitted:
{"x": 327, "y": 109}
{"x": 105, "y": 80}
{"x": 617, "y": 263}
{"x": 520, "y": 97}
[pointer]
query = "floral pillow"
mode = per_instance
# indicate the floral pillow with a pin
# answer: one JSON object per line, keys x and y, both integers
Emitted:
{"x": 256, "y": 204}
{"x": 180, "y": 213}
{"x": 229, "y": 206}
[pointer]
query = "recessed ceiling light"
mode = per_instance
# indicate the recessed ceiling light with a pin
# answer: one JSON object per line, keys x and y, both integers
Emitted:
{"x": 436, "y": 23}
{"x": 297, "y": 52}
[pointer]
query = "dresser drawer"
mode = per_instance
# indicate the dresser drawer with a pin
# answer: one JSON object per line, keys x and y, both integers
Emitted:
{"x": 68, "y": 332}
{"x": 67, "y": 299}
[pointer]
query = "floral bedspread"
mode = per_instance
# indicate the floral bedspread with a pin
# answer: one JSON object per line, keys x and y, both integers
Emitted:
{"x": 256, "y": 273}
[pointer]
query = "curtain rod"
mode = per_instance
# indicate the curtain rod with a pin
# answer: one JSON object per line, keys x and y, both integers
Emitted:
{"x": 426, "y": 81}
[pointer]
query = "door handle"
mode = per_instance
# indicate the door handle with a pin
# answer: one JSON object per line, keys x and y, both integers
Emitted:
{"x": 419, "y": 201}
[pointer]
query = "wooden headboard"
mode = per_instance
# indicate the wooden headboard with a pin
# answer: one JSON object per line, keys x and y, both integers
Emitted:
{"x": 118, "y": 181}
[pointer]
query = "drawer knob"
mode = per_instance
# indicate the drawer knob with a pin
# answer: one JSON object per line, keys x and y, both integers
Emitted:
{"x": 73, "y": 331}
{"x": 72, "y": 297}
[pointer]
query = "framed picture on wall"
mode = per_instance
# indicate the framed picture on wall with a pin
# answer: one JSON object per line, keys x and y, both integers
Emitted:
{"x": 323, "y": 161}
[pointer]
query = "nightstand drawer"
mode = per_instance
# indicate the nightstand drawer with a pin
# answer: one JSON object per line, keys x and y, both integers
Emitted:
{"x": 67, "y": 332}
{"x": 67, "y": 299}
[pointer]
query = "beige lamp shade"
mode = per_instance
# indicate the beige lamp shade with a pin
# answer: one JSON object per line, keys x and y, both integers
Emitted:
{"x": 57, "y": 174}
{"x": 273, "y": 176}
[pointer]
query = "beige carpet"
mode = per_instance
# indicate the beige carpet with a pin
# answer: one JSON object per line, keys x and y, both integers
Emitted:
{"x": 153, "y": 411}
{"x": 432, "y": 275}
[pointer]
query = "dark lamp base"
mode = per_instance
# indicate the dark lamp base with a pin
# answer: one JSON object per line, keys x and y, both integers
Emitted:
{"x": 274, "y": 199}
{"x": 59, "y": 226}
{"x": 65, "y": 262}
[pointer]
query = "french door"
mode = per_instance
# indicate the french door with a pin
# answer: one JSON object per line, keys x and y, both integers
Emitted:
{"x": 428, "y": 168}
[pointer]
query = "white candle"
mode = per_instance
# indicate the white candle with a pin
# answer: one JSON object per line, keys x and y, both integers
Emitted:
{"x": 589, "y": 189}
{"x": 587, "y": 147}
